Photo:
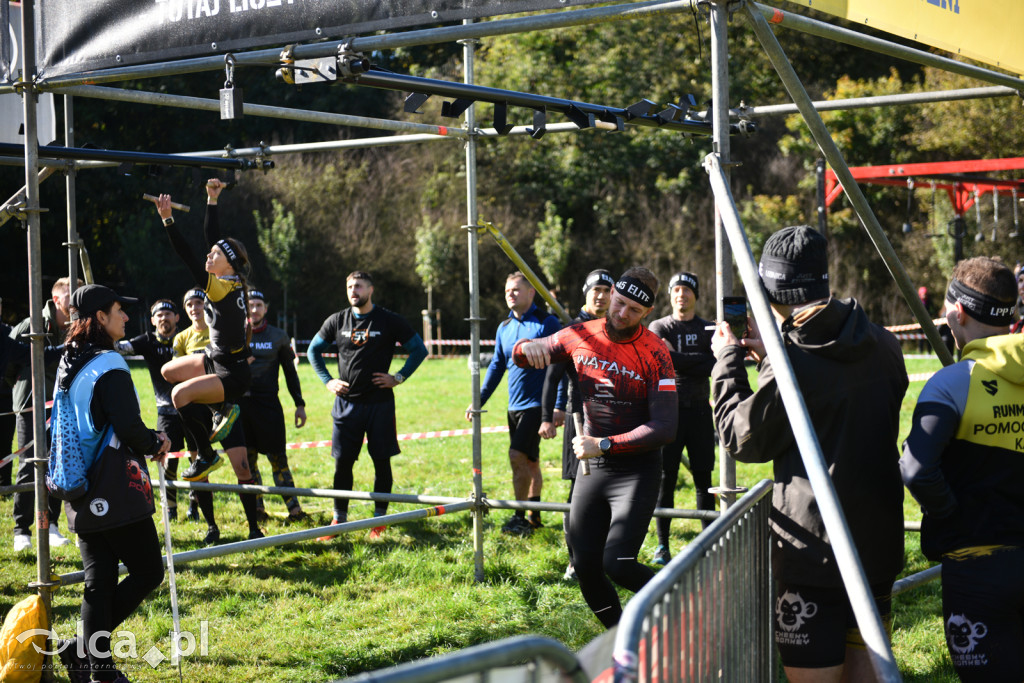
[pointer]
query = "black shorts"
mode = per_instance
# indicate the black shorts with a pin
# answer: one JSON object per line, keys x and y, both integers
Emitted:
{"x": 353, "y": 421}
{"x": 523, "y": 427}
{"x": 174, "y": 428}
{"x": 263, "y": 418}
{"x": 234, "y": 374}
{"x": 815, "y": 625}
{"x": 983, "y": 615}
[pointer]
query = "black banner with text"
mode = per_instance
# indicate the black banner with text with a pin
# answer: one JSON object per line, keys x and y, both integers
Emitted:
{"x": 76, "y": 36}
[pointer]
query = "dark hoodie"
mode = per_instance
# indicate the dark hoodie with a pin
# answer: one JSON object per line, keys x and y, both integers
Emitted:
{"x": 852, "y": 378}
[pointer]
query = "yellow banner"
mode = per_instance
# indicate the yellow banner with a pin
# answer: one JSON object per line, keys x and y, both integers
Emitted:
{"x": 986, "y": 30}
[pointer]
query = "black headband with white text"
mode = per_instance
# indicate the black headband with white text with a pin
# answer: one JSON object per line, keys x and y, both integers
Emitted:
{"x": 982, "y": 307}
{"x": 598, "y": 278}
{"x": 162, "y": 306}
{"x": 230, "y": 253}
{"x": 634, "y": 289}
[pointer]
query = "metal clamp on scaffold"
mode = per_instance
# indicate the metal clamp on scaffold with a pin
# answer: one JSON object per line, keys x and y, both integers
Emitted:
{"x": 52, "y": 585}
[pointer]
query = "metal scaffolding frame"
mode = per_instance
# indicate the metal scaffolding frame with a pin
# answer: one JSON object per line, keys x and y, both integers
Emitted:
{"x": 729, "y": 230}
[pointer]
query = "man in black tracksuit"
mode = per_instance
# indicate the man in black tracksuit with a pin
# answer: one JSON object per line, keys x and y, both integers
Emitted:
{"x": 262, "y": 414}
{"x": 853, "y": 379}
{"x": 156, "y": 348}
{"x": 689, "y": 342}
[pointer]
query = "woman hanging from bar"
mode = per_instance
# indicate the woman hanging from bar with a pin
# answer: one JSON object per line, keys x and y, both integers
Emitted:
{"x": 217, "y": 378}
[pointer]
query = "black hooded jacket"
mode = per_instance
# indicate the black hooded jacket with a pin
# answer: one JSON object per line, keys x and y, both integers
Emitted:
{"x": 852, "y": 378}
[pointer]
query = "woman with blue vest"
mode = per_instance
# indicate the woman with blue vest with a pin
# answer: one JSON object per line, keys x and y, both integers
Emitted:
{"x": 114, "y": 517}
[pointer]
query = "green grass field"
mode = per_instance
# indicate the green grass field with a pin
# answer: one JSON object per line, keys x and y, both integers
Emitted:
{"x": 320, "y": 611}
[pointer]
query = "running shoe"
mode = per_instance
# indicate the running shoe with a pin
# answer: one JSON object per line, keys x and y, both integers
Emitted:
{"x": 296, "y": 516}
{"x": 193, "y": 511}
{"x": 172, "y": 513}
{"x": 570, "y": 573}
{"x": 223, "y": 421}
{"x": 22, "y": 543}
{"x": 376, "y": 532}
{"x": 254, "y": 534}
{"x": 201, "y": 468}
{"x": 517, "y": 526}
{"x": 334, "y": 522}
{"x": 534, "y": 521}
{"x": 661, "y": 556}
{"x": 212, "y": 536}
{"x": 57, "y": 540}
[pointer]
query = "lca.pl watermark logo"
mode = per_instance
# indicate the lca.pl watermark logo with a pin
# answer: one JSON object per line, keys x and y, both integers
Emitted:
{"x": 123, "y": 644}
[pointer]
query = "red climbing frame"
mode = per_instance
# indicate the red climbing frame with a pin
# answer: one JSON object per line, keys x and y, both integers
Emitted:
{"x": 947, "y": 175}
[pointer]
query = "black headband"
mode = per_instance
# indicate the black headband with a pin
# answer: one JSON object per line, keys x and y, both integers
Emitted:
{"x": 194, "y": 294}
{"x": 634, "y": 289}
{"x": 231, "y": 254}
{"x": 257, "y": 294}
{"x": 162, "y": 306}
{"x": 598, "y": 277}
{"x": 982, "y": 307}
{"x": 686, "y": 280}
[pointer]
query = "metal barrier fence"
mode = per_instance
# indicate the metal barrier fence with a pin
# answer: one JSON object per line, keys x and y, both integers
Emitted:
{"x": 530, "y": 659}
{"x": 707, "y": 615}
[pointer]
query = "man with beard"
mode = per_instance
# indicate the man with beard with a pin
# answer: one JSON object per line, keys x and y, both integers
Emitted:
{"x": 262, "y": 414}
{"x": 629, "y": 404}
{"x": 689, "y": 343}
{"x": 558, "y": 390}
{"x": 156, "y": 348}
{"x": 364, "y": 403}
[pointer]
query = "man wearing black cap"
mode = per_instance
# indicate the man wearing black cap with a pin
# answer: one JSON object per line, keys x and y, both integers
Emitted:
{"x": 156, "y": 348}
{"x": 262, "y": 413}
{"x": 962, "y": 462}
{"x": 852, "y": 377}
{"x": 689, "y": 343}
{"x": 597, "y": 290}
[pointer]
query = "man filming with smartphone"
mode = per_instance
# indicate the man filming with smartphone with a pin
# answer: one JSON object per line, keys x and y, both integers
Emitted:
{"x": 689, "y": 341}
{"x": 852, "y": 378}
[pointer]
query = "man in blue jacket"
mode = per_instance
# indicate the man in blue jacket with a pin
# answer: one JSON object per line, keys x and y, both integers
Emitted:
{"x": 525, "y": 385}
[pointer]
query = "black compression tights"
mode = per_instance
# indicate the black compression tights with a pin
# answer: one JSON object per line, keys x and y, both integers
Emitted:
{"x": 610, "y": 512}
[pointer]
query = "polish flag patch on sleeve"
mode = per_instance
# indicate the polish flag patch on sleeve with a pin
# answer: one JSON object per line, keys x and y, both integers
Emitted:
{"x": 666, "y": 385}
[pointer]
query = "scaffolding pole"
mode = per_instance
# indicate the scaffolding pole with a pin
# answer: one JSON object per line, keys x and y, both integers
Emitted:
{"x": 875, "y": 637}
{"x": 882, "y": 101}
{"x": 727, "y": 489}
{"x": 35, "y": 305}
{"x": 264, "y": 110}
{"x": 835, "y": 159}
{"x": 885, "y": 47}
{"x": 472, "y": 216}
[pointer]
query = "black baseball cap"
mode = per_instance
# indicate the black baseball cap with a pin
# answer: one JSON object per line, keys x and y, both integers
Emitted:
{"x": 88, "y": 299}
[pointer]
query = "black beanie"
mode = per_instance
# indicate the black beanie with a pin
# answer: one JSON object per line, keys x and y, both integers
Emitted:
{"x": 794, "y": 266}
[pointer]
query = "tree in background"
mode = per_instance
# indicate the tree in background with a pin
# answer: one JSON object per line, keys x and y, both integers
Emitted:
{"x": 279, "y": 241}
{"x": 435, "y": 249}
{"x": 552, "y": 245}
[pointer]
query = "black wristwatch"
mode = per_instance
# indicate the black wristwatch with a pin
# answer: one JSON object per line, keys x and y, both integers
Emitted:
{"x": 605, "y": 445}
